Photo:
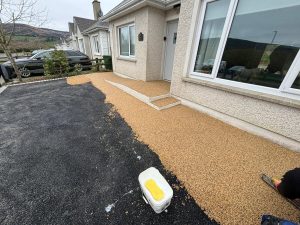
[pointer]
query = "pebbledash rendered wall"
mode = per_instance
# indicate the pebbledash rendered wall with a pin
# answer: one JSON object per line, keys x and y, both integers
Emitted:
{"x": 135, "y": 68}
{"x": 147, "y": 64}
{"x": 280, "y": 119}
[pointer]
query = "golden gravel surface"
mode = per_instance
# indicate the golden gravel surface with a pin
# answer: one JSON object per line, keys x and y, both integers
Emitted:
{"x": 150, "y": 89}
{"x": 219, "y": 165}
{"x": 165, "y": 101}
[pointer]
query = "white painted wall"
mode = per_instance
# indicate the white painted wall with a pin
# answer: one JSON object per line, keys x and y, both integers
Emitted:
{"x": 86, "y": 42}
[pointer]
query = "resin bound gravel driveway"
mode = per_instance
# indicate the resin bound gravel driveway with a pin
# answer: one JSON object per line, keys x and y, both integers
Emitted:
{"x": 66, "y": 156}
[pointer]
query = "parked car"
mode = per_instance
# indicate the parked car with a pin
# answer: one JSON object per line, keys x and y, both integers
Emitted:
{"x": 35, "y": 64}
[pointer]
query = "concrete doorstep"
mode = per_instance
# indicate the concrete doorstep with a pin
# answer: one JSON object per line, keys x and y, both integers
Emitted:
{"x": 158, "y": 102}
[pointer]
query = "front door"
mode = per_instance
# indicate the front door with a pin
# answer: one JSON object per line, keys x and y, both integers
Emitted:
{"x": 170, "y": 49}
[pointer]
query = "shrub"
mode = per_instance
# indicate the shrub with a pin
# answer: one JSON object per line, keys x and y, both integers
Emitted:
{"x": 78, "y": 69}
{"x": 57, "y": 64}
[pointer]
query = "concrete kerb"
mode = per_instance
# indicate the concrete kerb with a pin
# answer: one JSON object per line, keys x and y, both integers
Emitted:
{"x": 2, "y": 89}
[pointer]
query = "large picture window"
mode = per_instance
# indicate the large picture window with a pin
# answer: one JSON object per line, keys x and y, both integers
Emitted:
{"x": 250, "y": 42}
{"x": 127, "y": 40}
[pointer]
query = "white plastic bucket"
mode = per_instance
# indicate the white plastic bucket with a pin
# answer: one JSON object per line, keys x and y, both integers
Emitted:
{"x": 160, "y": 182}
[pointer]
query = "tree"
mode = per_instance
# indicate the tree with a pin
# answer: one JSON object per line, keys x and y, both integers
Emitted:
{"x": 11, "y": 13}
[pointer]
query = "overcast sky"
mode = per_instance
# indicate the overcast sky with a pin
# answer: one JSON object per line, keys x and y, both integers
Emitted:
{"x": 60, "y": 12}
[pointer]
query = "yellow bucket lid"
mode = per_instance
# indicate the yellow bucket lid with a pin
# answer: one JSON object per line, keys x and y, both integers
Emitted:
{"x": 156, "y": 192}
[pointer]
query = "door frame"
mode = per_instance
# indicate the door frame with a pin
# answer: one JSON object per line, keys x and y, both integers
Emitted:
{"x": 165, "y": 47}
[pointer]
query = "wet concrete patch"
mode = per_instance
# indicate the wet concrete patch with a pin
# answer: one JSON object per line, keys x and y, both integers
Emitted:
{"x": 66, "y": 155}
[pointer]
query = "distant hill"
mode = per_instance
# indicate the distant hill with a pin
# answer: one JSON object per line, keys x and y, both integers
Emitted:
{"x": 28, "y": 38}
{"x": 27, "y": 30}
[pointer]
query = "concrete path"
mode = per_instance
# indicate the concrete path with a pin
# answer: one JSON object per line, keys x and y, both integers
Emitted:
{"x": 67, "y": 158}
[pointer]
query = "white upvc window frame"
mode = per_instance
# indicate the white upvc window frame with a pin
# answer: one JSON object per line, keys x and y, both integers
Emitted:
{"x": 96, "y": 51}
{"x": 201, "y": 17}
{"x": 129, "y": 38}
{"x": 290, "y": 78}
{"x": 284, "y": 90}
{"x": 101, "y": 41}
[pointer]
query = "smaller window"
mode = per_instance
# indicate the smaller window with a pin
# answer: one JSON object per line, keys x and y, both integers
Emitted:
{"x": 127, "y": 40}
{"x": 81, "y": 46}
{"x": 96, "y": 44}
{"x": 132, "y": 40}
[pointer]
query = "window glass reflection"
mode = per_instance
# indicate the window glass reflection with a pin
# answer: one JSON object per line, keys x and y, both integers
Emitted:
{"x": 124, "y": 41}
{"x": 262, "y": 43}
{"x": 213, "y": 25}
{"x": 296, "y": 84}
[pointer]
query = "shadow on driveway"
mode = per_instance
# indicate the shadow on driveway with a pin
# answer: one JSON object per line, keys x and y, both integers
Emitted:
{"x": 65, "y": 156}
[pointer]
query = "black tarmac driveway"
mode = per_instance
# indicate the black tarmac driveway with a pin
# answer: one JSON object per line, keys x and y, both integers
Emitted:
{"x": 67, "y": 158}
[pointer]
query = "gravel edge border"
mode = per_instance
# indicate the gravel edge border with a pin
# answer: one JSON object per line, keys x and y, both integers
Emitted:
{"x": 34, "y": 82}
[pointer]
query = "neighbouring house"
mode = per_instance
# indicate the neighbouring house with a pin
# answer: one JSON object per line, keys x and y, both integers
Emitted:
{"x": 90, "y": 36}
{"x": 235, "y": 59}
{"x": 65, "y": 44}
{"x": 80, "y": 41}
{"x": 99, "y": 39}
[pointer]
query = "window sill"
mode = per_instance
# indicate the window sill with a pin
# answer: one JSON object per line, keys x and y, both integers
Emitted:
{"x": 245, "y": 92}
{"x": 126, "y": 59}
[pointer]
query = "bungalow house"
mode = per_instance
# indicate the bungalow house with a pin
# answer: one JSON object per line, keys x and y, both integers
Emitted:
{"x": 237, "y": 60}
{"x": 90, "y": 36}
{"x": 81, "y": 42}
{"x": 142, "y": 35}
{"x": 65, "y": 44}
{"x": 99, "y": 39}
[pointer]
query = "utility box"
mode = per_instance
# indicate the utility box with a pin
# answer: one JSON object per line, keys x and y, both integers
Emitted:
{"x": 156, "y": 190}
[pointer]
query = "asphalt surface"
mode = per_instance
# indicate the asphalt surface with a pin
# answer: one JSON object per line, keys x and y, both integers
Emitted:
{"x": 67, "y": 158}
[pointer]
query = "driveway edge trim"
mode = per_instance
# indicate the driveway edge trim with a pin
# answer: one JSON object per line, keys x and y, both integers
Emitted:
{"x": 2, "y": 89}
{"x": 34, "y": 82}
